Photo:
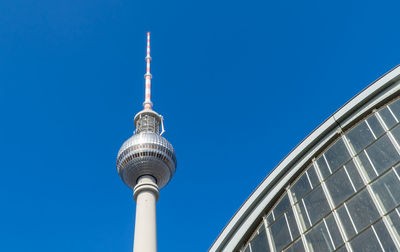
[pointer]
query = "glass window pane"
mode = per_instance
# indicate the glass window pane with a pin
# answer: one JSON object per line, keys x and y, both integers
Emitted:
{"x": 360, "y": 136}
{"x": 282, "y": 205}
{"x": 395, "y": 107}
{"x": 318, "y": 239}
{"x": 387, "y": 191}
{"x": 259, "y": 242}
{"x": 270, "y": 218}
{"x": 280, "y": 233}
{"x": 396, "y": 133}
{"x": 301, "y": 187}
{"x": 362, "y": 210}
{"x": 346, "y": 222}
{"x": 292, "y": 224}
{"x": 387, "y": 117}
{"x": 302, "y": 215}
{"x": 366, "y": 241}
{"x": 334, "y": 231}
{"x": 394, "y": 220}
{"x": 354, "y": 175}
{"x": 384, "y": 236}
{"x": 337, "y": 155}
{"x": 366, "y": 166}
{"x": 339, "y": 186}
{"x": 323, "y": 167}
{"x": 316, "y": 204}
{"x": 383, "y": 154}
{"x": 297, "y": 246}
{"x": 375, "y": 126}
{"x": 313, "y": 176}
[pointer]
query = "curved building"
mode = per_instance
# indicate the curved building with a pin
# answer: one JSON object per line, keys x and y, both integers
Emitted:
{"x": 338, "y": 190}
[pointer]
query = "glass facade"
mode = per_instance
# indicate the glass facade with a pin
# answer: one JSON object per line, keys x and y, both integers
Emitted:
{"x": 347, "y": 199}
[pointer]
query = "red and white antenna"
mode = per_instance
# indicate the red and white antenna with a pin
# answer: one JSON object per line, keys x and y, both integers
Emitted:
{"x": 147, "y": 102}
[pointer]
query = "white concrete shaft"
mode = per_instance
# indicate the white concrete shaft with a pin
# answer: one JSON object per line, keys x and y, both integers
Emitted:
{"x": 146, "y": 195}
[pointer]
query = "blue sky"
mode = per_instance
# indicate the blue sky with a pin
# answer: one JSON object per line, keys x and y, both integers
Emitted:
{"x": 240, "y": 83}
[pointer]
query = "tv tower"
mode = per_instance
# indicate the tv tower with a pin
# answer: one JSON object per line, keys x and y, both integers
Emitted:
{"x": 146, "y": 162}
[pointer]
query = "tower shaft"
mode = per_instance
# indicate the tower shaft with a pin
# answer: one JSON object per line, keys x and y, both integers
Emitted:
{"x": 146, "y": 196}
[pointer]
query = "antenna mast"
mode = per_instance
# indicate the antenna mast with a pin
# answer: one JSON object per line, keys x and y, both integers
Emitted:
{"x": 147, "y": 102}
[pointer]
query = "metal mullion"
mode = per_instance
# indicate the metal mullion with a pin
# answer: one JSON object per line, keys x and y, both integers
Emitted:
{"x": 397, "y": 211}
{"x": 391, "y": 231}
{"x": 340, "y": 226}
{"x": 317, "y": 170}
{"x": 331, "y": 205}
{"x": 381, "y": 211}
{"x": 368, "y": 186}
{"x": 375, "y": 200}
{"x": 305, "y": 209}
{"x": 309, "y": 180}
{"x": 377, "y": 237}
{"x": 391, "y": 112}
{"x": 369, "y": 127}
{"x": 348, "y": 246}
{"x": 298, "y": 222}
{"x": 390, "y": 135}
{"x": 325, "y": 190}
{"x": 329, "y": 233}
{"x": 351, "y": 151}
{"x": 327, "y": 164}
{"x": 370, "y": 190}
{"x": 380, "y": 119}
{"x": 395, "y": 173}
{"x": 269, "y": 235}
{"x": 382, "y": 214}
{"x": 376, "y": 203}
{"x": 364, "y": 176}
{"x": 385, "y": 217}
{"x": 287, "y": 223}
{"x": 394, "y": 142}
{"x": 351, "y": 219}
{"x": 372, "y": 165}
{"x": 334, "y": 213}
{"x": 351, "y": 181}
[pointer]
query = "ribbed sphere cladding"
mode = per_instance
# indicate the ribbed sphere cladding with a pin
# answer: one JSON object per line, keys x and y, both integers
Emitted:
{"x": 146, "y": 154}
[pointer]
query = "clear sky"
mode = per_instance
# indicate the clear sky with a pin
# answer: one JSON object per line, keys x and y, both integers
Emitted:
{"x": 240, "y": 83}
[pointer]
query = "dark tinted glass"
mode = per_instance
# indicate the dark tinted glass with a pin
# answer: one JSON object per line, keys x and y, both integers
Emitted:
{"x": 283, "y": 205}
{"x": 366, "y": 242}
{"x": 337, "y": 155}
{"x": 259, "y": 242}
{"x": 362, "y": 210}
{"x": 387, "y": 117}
{"x": 360, "y": 136}
{"x": 382, "y": 154}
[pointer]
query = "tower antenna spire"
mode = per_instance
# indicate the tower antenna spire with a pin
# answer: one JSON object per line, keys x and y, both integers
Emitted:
{"x": 147, "y": 102}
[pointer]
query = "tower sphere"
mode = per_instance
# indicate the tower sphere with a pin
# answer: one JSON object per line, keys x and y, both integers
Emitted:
{"x": 146, "y": 152}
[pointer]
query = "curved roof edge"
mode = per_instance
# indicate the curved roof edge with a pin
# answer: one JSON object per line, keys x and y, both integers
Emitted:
{"x": 253, "y": 208}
